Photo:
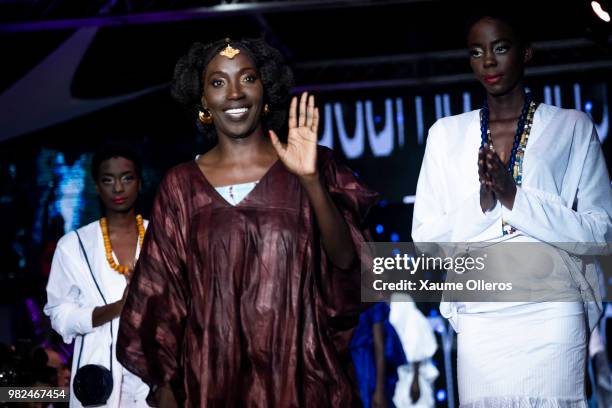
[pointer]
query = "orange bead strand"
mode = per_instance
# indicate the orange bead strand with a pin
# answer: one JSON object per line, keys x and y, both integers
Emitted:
{"x": 108, "y": 249}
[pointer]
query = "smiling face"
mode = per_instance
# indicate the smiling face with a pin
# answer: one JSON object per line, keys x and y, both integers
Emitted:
{"x": 118, "y": 184}
{"x": 497, "y": 56}
{"x": 233, "y": 92}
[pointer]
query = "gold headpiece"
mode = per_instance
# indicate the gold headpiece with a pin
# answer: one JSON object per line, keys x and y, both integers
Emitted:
{"x": 229, "y": 51}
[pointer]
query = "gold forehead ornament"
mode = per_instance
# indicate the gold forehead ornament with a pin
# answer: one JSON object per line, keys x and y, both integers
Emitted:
{"x": 229, "y": 51}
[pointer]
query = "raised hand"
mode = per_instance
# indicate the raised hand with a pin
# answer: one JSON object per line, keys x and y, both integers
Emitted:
{"x": 500, "y": 181}
{"x": 299, "y": 154}
{"x": 487, "y": 197}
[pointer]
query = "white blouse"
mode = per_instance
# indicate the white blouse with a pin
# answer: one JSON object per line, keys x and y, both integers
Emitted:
{"x": 565, "y": 196}
{"x": 71, "y": 298}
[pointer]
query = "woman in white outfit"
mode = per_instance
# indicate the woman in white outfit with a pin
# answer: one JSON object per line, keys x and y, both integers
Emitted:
{"x": 89, "y": 310}
{"x": 518, "y": 171}
{"x": 415, "y": 387}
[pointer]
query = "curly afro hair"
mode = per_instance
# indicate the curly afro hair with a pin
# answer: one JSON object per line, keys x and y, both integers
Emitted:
{"x": 275, "y": 74}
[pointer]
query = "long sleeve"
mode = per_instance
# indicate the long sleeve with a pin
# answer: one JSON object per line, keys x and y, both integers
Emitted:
{"x": 152, "y": 321}
{"x": 413, "y": 329}
{"x": 353, "y": 200}
{"x": 545, "y": 216}
{"x": 432, "y": 222}
{"x": 69, "y": 309}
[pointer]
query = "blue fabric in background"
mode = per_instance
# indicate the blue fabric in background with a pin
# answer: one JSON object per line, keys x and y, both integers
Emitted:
{"x": 364, "y": 360}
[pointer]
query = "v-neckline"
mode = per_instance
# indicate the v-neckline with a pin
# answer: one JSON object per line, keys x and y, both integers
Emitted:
{"x": 115, "y": 257}
{"x": 218, "y": 195}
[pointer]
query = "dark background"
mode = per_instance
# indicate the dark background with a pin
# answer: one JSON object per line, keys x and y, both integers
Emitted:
{"x": 64, "y": 61}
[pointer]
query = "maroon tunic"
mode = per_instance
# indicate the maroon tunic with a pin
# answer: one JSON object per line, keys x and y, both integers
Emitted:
{"x": 239, "y": 305}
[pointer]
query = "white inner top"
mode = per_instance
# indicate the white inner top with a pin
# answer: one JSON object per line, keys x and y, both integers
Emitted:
{"x": 235, "y": 193}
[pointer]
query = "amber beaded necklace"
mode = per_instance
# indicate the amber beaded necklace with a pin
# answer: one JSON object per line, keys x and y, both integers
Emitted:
{"x": 122, "y": 269}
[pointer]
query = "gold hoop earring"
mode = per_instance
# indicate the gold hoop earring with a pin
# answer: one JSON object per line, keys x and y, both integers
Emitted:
{"x": 205, "y": 116}
{"x": 266, "y": 109}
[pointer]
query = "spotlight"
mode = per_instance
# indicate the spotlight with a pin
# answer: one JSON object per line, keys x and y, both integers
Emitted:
{"x": 409, "y": 199}
{"x": 441, "y": 395}
{"x": 600, "y": 12}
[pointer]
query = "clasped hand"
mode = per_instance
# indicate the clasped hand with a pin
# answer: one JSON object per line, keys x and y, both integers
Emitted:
{"x": 496, "y": 183}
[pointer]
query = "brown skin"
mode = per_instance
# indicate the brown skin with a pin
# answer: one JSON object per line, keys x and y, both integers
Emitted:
{"x": 379, "y": 398}
{"x": 118, "y": 185}
{"x": 498, "y": 61}
{"x": 244, "y": 153}
{"x": 415, "y": 391}
{"x": 299, "y": 155}
{"x": 165, "y": 397}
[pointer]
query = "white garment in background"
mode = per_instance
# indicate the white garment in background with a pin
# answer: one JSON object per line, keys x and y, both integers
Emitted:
{"x": 565, "y": 197}
{"x": 71, "y": 299}
{"x": 419, "y": 345}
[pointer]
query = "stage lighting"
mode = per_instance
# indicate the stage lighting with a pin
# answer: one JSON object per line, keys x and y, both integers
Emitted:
{"x": 441, "y": 395}
{"x": 601, "y": 11}
{"x": 598, "y": 26}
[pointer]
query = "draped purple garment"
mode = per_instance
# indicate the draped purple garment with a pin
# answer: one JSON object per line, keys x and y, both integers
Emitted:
{"x": 239, "y": 305}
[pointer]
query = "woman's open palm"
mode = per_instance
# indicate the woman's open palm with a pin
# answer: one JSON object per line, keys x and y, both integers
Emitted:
{"x": 299, "y": 154}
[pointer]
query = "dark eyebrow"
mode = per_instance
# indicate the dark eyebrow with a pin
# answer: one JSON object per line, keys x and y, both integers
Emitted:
{"x": 225, "y": 73}
{"x": 216, "y": 73}
{"x": 494, "y": 42}
{"x": 120, "y": 174}
{"x": 502, "y": 40}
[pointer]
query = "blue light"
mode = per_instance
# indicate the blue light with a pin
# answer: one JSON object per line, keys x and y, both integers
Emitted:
{"x": 380, "y": 229}
{"x": 382, "y": 203}
{"x": 395, "y": 237}
{"x": 433, "y": 312}
{"x": 377, "y": 119}
{"x": 441, "y": 395}
{"x": 588, "y": 106}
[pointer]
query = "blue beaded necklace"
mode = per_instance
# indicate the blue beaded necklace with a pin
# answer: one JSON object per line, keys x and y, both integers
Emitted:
{"x": 518, "y": 148}
{"x": 485, "y": 132}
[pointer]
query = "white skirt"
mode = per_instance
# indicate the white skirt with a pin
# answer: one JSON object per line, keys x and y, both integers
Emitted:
{"x": 527, "y": 355}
